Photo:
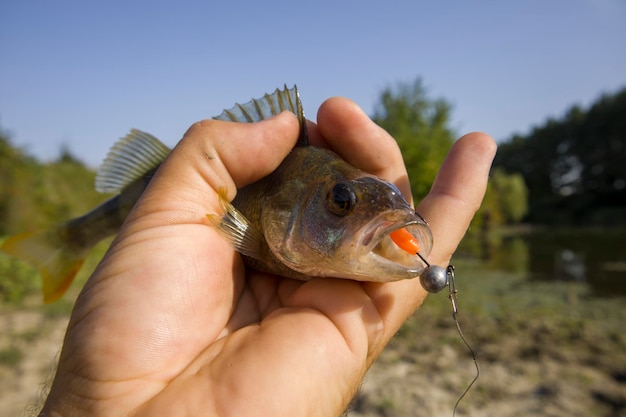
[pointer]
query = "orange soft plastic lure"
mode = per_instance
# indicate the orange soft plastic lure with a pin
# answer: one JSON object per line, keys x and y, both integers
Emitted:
{"x": 405, "y": 241}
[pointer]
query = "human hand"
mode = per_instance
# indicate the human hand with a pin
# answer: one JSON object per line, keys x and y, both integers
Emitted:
{"x": 172, "y": 323}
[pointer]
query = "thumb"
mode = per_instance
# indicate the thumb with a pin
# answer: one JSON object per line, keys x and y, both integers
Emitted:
{"x": 215, "y": 154}
{"x": 165, "y": 266}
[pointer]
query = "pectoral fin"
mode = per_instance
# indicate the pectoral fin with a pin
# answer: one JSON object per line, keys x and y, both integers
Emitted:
{"x": 236, "y": 229}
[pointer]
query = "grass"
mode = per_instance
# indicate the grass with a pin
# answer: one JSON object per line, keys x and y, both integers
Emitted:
{"x": 386, "y": 404}
{"x": 30, "y": 335}
{"x": 17, "y": 280}
{"x": 500, "y": 311}
{"x": 526, "y": 335}
{"x": 11, "y": 356}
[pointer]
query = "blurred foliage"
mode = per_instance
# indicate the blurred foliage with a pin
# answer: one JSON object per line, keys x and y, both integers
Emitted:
{"x": 574, "y": 167}
{"x": 11, "y": 356}
{"x": 35, "y": 195}
{"x": 506, "y": 199}
{"x": 421, "y": 126}
{"x": 17, "y": 280}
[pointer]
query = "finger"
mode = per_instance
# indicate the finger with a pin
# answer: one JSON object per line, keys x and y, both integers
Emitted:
{"x": 215, "y": 154}
{"x": 350, "y": 132}
{"x": 449, "y": 207}
{"x": 457, "y": 193}
{"x": 167, "y": 269}
{"x": 212, "y": 155}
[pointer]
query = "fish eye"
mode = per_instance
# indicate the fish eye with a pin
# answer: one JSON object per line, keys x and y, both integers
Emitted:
{"x": 341, "y": 199}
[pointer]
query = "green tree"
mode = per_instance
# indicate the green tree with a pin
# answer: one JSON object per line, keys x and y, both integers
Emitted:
{"x": 420, "y": 125}
{"x": 35, "y": 195}
{"x": 16, "y": 174}
{"x": 510, "y": 194}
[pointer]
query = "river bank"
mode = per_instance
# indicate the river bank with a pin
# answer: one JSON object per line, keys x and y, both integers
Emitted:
{"x": 546, "y": 349}
{"x": 543, "y": 350}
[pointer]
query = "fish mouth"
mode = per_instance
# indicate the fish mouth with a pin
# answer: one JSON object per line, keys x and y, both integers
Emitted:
{"x": 379, "y": 254}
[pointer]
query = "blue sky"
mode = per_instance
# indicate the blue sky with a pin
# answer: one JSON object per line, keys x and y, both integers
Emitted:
{"x": 81, "y": 73}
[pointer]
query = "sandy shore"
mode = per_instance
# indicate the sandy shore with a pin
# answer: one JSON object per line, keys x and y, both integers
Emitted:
{"x": 536, "y": 357}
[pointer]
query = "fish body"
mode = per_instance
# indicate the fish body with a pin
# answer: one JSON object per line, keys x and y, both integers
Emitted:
{"x": 315, "y": 215}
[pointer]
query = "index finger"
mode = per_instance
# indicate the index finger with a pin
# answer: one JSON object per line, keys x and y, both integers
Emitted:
{"x": 457, "y": 193}
{"x": 449, "y": 207}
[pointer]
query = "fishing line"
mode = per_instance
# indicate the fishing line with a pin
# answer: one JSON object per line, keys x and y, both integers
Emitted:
{"x": 434, "y": 279}
{"x": 432, "y": 274}
{"x": 452, "y": 291}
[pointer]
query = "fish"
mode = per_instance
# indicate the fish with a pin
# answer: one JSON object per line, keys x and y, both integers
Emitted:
{"x": 314, "y": 216}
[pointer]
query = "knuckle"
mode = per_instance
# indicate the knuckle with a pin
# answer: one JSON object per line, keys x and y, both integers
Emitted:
{"x": 200, "y": 128}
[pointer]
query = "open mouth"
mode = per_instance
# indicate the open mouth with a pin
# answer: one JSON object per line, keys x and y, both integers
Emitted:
{"x": 388, "y": 249}
{"x": 378, "y": 243}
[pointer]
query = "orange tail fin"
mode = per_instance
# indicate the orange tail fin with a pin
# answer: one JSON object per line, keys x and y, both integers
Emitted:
{"x": 57, "y": 262}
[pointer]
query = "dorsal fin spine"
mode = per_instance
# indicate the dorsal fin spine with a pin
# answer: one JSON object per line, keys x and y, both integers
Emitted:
{"x": 287, "y": 99}
{"x": 139, "y": 152}
{"x": 258, "y": 108}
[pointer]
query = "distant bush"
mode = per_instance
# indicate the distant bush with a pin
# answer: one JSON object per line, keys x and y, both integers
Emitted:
{"x": 17, "y": 280}
{"x": 35, "y": 195}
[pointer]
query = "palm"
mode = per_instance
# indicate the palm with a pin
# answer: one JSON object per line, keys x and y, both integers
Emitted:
{"x": 171, "y": 323}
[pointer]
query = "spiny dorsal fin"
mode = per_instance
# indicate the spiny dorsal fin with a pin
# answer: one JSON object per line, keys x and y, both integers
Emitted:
{"x": 129, "y": 159}
{"x": 138, "y": 152}
{"x": 269, "y": 105}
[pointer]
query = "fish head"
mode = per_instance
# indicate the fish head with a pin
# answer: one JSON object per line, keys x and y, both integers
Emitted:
{"x": 340, "y": 227}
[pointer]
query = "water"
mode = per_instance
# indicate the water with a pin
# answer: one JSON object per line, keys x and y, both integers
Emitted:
{"x": 593, "y": 257}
